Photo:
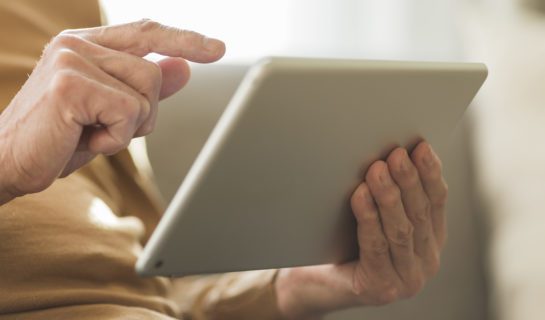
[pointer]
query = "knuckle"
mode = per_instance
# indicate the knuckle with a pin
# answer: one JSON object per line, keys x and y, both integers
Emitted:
{"x": 130, "y": 106}
{"x": 145, "y": 109}
{"x": 409, "y": 176}
{"x": 425, "y": 238}
{"x": 370, "y": 218}
{"x": 146, "y": 25}
{"x": 146, "y": 129}
{"x": 387, "y": 295}
{"x": 127, "y": 109}
{"x": 441, "y": 196}
{"x": 362, "y": 198}
{"x": 379, "y": 247}
{"x": 63, "y": 82}
{"x": 66, "y": 59}
{"x": 66, "y": 39}
{"x": 412, "y": 179}
{"x": 402, "y": 236}
{"x": 390, "y": 198}
{"x": 423, "y": 214}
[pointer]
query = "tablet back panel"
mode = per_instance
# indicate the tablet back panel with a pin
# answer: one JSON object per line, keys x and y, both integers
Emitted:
{"x": 271, "y": 186}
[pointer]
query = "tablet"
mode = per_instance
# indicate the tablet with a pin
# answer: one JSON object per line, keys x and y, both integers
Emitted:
{"x": 272, "y": 184}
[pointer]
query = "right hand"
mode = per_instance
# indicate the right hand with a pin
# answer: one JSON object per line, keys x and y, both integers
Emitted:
{"x": 90, "y": 94}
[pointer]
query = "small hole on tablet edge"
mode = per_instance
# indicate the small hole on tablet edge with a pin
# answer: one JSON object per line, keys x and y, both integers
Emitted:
{"x": 158, "y": 264}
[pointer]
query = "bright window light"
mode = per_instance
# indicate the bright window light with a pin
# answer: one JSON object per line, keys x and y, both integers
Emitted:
{"x": 251, "y": 29}
{"x": 371, "y": 29}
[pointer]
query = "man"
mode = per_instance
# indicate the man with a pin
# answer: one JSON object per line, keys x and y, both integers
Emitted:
{"x": 68, "y": 246}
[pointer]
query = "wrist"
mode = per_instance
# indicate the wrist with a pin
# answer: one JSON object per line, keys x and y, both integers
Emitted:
{"x": 311, "y": 292}
{"x": 294, "y": 298}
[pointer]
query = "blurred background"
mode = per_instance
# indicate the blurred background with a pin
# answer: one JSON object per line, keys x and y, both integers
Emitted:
{"x": 494, "y": 265}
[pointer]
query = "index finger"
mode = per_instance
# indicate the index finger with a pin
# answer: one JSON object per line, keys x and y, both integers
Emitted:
{"x": 146, "y": 36}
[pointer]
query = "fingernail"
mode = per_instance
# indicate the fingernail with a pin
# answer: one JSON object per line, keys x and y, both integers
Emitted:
{"x": 212, "y": 45}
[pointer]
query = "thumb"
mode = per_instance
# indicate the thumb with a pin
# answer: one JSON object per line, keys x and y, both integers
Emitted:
{"x": 175, "y": 73}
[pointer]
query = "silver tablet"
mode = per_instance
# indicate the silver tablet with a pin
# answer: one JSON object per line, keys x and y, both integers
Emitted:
{"x": 271, "y": 186}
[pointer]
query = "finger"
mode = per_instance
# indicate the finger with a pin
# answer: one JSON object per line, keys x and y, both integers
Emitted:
{"x": 143, "y": 76}
{"x": 153, "y": 80}
{"x": 430, "y": 171}
{"x": 375, "y": 262}
{"x": 82, "y": 155}
{"x": 415, "y": 201}
{"x": 176, "y": 73}
{"x": 397, "y": 227}
{"x": 146, "y": 36}
{"x": 112, "y": 128}
{"x": 67, "y": 58}
{"x": 131, "y": 74}
{"x": 372, "y": 242}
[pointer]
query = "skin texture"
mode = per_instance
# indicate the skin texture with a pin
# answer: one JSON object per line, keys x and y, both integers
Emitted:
{"x": 92, "y": 92}
{"x": 400, "y": 211}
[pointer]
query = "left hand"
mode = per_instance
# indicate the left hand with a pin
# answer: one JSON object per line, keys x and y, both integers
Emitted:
{"x": 400, "y": 210}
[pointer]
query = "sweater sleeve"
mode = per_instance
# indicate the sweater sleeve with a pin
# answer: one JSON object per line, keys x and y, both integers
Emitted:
{"x": 241, "y": 295}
